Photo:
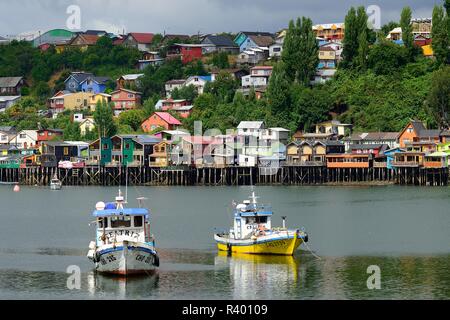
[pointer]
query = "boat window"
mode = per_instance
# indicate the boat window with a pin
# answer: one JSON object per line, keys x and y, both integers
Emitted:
{"x": 100, "y": 223}
{"x": 261, "y": 219}
{"x": 121, "y": 222}
{"x": 138, "y": 221}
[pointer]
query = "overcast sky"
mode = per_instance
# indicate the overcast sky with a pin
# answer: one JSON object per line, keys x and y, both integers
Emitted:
{"x": 189, "y": 16}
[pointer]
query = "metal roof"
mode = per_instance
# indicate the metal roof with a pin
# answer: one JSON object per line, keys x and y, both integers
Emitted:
{"x": 9, "y": 82}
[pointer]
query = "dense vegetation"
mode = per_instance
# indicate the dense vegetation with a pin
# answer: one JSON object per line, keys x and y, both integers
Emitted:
{"x": 379, "y": 85}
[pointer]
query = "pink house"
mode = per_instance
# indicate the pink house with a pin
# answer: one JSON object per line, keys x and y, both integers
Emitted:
{"x": 160, "y": 120}
{"x": 124, "y": 99}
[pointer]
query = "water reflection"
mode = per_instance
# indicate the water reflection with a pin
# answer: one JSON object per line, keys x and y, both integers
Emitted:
{"x": 122, "y": 287}
{"x": 260, "y": 276}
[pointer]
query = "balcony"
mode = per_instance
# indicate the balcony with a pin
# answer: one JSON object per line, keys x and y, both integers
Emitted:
{"x": 406, "y": 164}
{"x": 380, "y": 165}
{"x": 305, "y": 164}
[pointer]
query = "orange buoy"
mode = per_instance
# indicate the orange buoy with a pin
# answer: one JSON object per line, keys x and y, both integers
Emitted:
{"x": 16, "y": 188}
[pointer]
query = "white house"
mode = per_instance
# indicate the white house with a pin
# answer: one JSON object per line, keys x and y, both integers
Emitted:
{"x": 86, "y": 125}
{"x": 172, "y": 84}
{"x": 7, "y": 102}
{"x": 258, "y": 77}
{"x": 198, "y": 82}
{"x": 25, "y": 139}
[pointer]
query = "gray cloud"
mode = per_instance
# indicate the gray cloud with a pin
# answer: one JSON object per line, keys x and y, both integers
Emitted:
{"x": 181, "y": 16}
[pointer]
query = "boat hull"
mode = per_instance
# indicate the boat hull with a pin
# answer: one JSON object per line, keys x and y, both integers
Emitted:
{"x": 276, "y": 245}
{"x": 126, "y": 258}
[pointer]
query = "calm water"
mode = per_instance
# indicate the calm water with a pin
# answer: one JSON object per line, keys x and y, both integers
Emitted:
{"x": 403, "y": 230}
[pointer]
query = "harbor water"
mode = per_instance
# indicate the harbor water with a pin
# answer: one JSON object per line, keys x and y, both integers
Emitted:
{"x": 405, "y": 231}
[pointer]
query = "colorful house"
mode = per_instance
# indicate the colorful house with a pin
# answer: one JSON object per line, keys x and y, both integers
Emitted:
{"x": 330, "y": 31}
{"x": 190, "y": 52}
{"x": 70, "y": 101}
{"x": 160, "y": 120}
{"x": 25, "y": 139}
{"x": 161, "y": 154}
{"x": 247, "y": 40}
{"x": 416, "y": 133}
{"x": 124, "y": 99}
{"x": 129, "y": 81}
{"x": 73, "y": 82}
{"x": 99, "y": 97}
{"x": 94, "y": 84}
{"x": 84, "y": 41}
{"x": 139, "y": 40}
{"x": 48, "y": 135}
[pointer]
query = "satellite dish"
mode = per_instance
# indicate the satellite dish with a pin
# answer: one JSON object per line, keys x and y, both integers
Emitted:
{"x": 100, "y": 206}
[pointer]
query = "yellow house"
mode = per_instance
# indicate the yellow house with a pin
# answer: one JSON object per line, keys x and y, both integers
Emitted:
{"x": 427, "y": 51}
{"x": 70, "y": 101}
{"x": 99, "y": 97}
{"x": 333, "y": 126}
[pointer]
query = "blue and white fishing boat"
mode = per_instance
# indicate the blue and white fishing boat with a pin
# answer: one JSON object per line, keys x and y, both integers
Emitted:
{"x": 124, "y": 244}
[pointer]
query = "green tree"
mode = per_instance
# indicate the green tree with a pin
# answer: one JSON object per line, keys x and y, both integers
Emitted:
{"x": 439, "y": 97}
{"x": 350, "y": 41}
{"x": 405, "y": 24}
{"x": 220, "y": 60}
{"x": 132, "y": 118}
{"x": 300, "y": 51}
{"x": 278, "y": 91}
{"x": 440, "y": 35}
{"x": 104, "y": 119}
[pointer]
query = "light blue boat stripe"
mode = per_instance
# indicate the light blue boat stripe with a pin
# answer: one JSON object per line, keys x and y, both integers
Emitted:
{"x": 120, "y": 248}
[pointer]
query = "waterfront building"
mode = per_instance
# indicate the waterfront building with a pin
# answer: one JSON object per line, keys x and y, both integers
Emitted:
{"x": 415, "y": 132}
{"x": 25, "y": 139}
{"x": 48, "y": 135}
{"x": 389, "y": 138}
{"x": 161, "y": 154}
{"x": 348, "y": 160}
{"x": 410, "y": 159}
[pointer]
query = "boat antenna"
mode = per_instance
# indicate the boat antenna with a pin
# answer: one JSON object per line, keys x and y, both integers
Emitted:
{"x": 126, "y": 184}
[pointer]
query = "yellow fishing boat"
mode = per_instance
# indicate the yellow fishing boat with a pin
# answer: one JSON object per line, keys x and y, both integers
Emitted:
{"x": 252, "y": 232}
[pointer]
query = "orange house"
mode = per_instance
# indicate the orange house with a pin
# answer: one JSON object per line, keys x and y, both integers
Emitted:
{"x": 160, "y": 120}
{"x": 124, "y": 99}
{"x": 416, "y": 132}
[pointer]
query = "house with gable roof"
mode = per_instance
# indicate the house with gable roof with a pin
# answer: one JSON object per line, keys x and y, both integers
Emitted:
{"x": 139, "y": 40}
{"x": 160, "y": 120}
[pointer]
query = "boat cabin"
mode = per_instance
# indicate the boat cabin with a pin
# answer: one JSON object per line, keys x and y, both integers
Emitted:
{"x": 251, "y": 218}
{"x": 116, "y": 223}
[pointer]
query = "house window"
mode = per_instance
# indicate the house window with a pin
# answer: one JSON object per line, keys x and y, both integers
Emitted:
{"x": 22, "y": 136}
{"x": 66, "y": 151}
{"x": 105, "y": 146}
{"x": 410, "y": 130}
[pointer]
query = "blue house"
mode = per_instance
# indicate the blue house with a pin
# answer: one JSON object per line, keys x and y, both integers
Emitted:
{"x": 73, "y": 82}
{"x": 246, "y": 40}
{"x": 94, "y": 84}
{"x": 390, "y": 156}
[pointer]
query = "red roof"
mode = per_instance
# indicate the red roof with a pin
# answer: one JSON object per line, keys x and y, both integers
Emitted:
{"x": 167, "y": 117}
{"x": 142, "y": 37}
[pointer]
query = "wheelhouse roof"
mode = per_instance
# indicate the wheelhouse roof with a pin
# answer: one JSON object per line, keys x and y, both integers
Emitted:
{"x": 121, "y": 212}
